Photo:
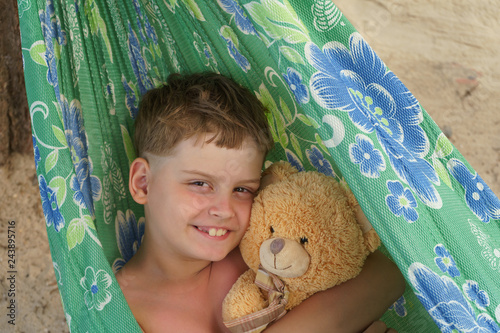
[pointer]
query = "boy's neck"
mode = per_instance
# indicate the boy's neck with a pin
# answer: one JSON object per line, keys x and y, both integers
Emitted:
{"x": 170, "y": 269}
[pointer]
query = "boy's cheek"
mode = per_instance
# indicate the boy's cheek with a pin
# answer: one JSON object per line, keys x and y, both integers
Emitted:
{"x": 245, "y": 211}
{"x": 198, "y": 201}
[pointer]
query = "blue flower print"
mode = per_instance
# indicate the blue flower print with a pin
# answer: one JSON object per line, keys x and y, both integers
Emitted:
{"x": 370, "y": 160}
{"x": 486, "y": 324}
{"x": 205, "y": 52}
{"x": 87, "y": 187}
{"x": 230, "y": 37}
{"x": 294, "y": 81}
{"x": 141, "y": 33}
{"x": 293, "y": 160}
{"x": 51, "y": 25}
{"x": 473, "y": 293}
{"x": 51, "y": 30}
{"x": 49, "y": 205}
{"x": 399, "y": 307}
{"x": 478, "y": 196}
{"x": 96, "y": 284}
{"x": 401, "y": 201}
{"x": 445, "y": 261}
{"x": 356, "y": 81}
{"x": 130, "y": 98}
{"x": 444, "y": 301}
{"x": 240, "y": 17}
{"x": 74, "y": 129}
{"x": 138, "y": 63}
{"x": 317, "y": 160}
{"x": 129, "y": 235}
{"x": 150, "y": 32}
{"x": 36, "y": 152}
{"x": 237, "y": 56}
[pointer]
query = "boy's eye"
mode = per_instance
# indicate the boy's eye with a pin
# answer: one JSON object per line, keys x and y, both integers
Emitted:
{"x": 244, "y": 193}
{"x": 200, "y": 186}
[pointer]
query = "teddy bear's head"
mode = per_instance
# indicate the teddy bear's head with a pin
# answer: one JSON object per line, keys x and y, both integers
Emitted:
{"x": 303, "y": 228}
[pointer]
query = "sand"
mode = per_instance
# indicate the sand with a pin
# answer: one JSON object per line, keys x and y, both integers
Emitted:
{"x": 38, "y": 302}
{"x": 447, "y": 54}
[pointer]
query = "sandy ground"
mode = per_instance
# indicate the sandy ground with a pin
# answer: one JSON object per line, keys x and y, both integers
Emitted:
{"x": 447, "y": 53}
{"x": 38, "y": 302}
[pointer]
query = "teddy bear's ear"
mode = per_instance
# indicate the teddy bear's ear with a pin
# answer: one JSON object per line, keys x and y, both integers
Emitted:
{"x": 277, "y": 172}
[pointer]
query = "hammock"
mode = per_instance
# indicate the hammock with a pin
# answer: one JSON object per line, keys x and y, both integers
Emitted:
{"x": 335, "y": 108}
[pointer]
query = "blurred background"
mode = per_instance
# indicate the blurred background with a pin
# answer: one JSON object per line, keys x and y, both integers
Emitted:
{"x": 447, "y": 53}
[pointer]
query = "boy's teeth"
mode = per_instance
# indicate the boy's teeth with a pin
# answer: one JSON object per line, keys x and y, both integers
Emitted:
{"x": 221, "y": 232}
{"x": 214, "y": 232}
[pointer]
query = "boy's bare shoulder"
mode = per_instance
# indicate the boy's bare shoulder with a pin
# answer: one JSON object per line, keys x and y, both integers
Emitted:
{"x": 156, "y": 305}
{"x": 135, "y": 290}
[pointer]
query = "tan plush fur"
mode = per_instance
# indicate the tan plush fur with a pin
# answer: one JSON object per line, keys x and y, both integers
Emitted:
{"x": 299, "y": 206}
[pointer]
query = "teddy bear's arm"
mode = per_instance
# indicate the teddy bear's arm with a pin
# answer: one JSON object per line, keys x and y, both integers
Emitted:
{"x": 243, "y": 298}
{"x": 372, "y": 240}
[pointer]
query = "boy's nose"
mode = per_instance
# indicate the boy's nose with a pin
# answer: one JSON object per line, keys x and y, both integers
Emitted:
{"x": 222, "y": 208}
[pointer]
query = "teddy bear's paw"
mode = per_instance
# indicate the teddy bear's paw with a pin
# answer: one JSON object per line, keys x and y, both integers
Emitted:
{"x": 244, "y": 298}
{"x": 372, "y": 240}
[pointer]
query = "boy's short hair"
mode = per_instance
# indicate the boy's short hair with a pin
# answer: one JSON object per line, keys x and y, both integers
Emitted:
{"x": 196, "y": 104}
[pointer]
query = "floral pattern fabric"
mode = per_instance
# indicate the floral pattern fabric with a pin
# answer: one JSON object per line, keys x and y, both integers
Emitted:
{"x": 334, "y": 107}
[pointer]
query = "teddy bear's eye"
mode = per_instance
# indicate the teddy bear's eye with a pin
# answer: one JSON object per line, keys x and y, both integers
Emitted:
{"x": 304, "y": 240}
{"x": 272, "y": 229}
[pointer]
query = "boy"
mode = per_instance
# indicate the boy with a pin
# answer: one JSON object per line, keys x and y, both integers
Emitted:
{"x": 202, "y": 140}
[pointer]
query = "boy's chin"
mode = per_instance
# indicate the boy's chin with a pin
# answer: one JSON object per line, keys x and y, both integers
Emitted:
{"x": 215, "y": 255}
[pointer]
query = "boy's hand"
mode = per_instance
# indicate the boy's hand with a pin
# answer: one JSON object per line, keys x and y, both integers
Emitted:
{"x": 379, "y": 327}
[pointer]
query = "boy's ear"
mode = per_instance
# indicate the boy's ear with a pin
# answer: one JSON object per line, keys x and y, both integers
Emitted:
{"x": 138, "y": 180}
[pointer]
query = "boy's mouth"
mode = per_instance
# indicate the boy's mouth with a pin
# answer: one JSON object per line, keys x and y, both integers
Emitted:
{"x": 214, "y": 232}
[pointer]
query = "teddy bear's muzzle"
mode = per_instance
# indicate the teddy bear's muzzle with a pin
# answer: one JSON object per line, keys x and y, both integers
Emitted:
{"x": 284, "y": 257}
{"x": 277, "y": 245}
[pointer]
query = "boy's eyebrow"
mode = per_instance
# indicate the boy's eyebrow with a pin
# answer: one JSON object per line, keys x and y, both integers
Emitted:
{"x": 206, "y": 175}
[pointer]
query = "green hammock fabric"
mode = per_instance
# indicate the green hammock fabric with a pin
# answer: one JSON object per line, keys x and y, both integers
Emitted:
{"x": 335, "y": 108}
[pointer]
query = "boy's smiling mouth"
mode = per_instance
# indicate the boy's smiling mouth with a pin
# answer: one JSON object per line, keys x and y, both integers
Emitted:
{"x": 213, "y": 232}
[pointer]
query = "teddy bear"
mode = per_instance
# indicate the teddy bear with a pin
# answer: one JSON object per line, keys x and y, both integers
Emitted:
{"x": 307, "y": 233}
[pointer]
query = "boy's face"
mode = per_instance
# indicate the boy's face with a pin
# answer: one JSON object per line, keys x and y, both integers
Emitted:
{"x": 199, "y": 198}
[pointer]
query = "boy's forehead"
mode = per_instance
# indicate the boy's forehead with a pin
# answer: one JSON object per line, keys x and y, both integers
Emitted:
{"x": 205, "y": 146}
{"x": 197, "y": 152}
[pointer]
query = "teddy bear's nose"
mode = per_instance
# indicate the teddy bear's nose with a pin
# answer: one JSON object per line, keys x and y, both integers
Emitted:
{"x": 277, "y": 245}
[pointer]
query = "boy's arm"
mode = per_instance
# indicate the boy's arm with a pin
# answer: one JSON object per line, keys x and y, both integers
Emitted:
{"x": 351, "y": 306}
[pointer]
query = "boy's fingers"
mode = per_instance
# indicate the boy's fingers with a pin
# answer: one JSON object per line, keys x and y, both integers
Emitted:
{"x": 376, "y": 327}
{"x": 379, "y": 327}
